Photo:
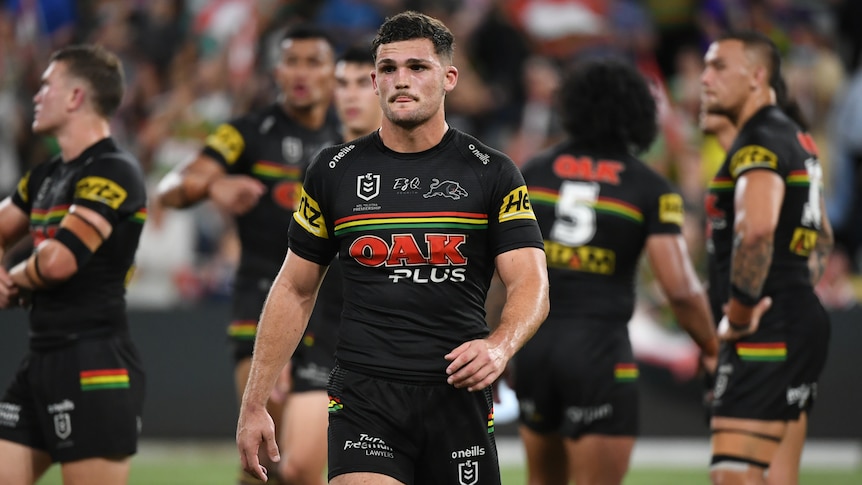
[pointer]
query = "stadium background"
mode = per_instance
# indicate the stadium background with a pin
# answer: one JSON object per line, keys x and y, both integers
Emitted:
{"x": 192, "y": 64}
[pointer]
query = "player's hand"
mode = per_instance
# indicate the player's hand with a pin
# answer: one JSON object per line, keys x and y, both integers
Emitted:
{"x": 236, "y": 194}
{"x": 254, "y": 427}
{"x": 727, "y": 333}
{"x": 9, "y": 293}
{"x": 475, "y": 365}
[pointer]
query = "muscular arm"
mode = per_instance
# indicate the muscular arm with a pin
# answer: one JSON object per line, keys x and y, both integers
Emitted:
{"x": 825, "y": 240}
{"x": 282, "y": 323}
{"x": 478, "y": 363}
{"x": 670, "y": 263}
{"x": 494, "y": 302}
{"x": 53, "y": 262}
{"x": 13, "y": 227}
{"x": 189, "y": 183}
{"x": 757, "y": 201}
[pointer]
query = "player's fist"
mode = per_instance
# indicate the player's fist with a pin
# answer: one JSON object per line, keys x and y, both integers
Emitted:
{"x": 8, "y": 290}
{"x": 236, "y": 194}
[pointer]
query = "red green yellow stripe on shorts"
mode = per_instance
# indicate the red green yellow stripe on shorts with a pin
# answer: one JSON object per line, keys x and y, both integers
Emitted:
{"x": 763, "y": 351}
{"x": 243, "y": 329}
{"x": 626, "y": 372}
{"x": 94, "y": 380}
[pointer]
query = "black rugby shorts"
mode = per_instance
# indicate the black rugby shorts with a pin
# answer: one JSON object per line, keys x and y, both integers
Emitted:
{"x": 419, "y": 434}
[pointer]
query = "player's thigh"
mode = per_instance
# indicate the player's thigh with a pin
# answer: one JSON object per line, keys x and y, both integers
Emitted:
{"x": 546, "y": 457}
{"x": 784, "y": 467}
{"x": 599, "y": 459}
{"x": 743, "y": 441}
{"x": 21, "y": 464}
{"x": 303, "y": 433}
{"x": 364, "y": 479}
{"x": 96, "y": 471}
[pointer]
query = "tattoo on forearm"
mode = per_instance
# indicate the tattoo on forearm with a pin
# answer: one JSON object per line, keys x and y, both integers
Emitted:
{"x": 750, "y": 264}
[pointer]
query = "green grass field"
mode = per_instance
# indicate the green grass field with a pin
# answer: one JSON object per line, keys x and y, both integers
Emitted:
{"x": 217, "y": 466}
{"x": 220, "y": 472}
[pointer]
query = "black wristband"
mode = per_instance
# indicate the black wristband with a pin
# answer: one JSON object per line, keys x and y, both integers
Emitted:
{"x": 743, "y": 297}
{"x": 739, "y": 327}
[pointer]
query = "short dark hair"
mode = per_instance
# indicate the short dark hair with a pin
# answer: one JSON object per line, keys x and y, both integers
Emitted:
{"x": 305, "y": 31}
{"x": 99, "y": 68}
{"x": 606, "y": 104}
{"x": 764, "y": 46}
{"x": 771, "y": 56}
{"x": 411, "y": 25}
{"x": 358, "y": 53}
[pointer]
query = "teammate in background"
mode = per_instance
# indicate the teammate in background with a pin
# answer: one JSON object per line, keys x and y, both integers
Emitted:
{"x": 252, "y": 167}
{"x": 420, "y": 214}
{"x": 303, "y": 433}
{"x": 355, "y": 99}
{"x": 599, "y": 207}
{"x": 78, "y": 396}
{"x": 770, "y": 238}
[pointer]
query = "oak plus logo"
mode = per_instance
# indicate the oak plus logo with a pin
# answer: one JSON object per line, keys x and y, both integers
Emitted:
{"x": 368, "y": 186}
{"x": 446, "y": 188}
{"x": 437, "y": 259}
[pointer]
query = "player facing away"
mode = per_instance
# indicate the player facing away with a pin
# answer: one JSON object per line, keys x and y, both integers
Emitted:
{"x": 769, "y": 240}
{"x": 78, "y": 395}
{"x": 419, "y": 216}
{"x": 599, "y": 208}
{"x": 252, "y": 167}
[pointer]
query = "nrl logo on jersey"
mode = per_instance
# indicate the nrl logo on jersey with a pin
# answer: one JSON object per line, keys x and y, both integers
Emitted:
{"x": 368, "y": 186}
{"x": 291, "y": 149}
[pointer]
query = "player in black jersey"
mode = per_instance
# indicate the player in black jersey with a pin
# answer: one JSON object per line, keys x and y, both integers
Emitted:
{"x": 769, "y": 241}
{"x": 599, "y": 207}
{"x": 77, "y": 398}
{"x": 419, "y": 215}
{"x": 252, "y": 167}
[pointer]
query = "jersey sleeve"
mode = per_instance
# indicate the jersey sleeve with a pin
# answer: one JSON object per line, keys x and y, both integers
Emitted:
{"x": 113, "y": 187}
{"x": 311, "y": 232}
{"x": 511, "y": 221}
{"x": 665, "y": 211}
{"x": 758, "y": 151}
{"x": 227, "y": 145}
{"x": 23, "y": 193}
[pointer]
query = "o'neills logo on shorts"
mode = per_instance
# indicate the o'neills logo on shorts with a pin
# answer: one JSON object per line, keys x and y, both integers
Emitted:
{"x": 470, "y": 452}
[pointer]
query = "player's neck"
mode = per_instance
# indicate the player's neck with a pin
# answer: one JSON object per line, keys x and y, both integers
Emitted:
{"x": 311, "y": 117}
{"x": 755, "y": 102}
{"x": 413, "y": 139}
{"x": 78, "y": 135}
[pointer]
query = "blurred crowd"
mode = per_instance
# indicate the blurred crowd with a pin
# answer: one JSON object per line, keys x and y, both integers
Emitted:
{"x": 191, "y": 64}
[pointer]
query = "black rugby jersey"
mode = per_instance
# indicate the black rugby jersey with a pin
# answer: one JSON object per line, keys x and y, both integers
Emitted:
{"x": 109, "y": 181}
{"x": 273, "y": 148}
{"x": 417, "y": 234}
{"x": 596, "y": 212}
{"x": 768, "y": 141}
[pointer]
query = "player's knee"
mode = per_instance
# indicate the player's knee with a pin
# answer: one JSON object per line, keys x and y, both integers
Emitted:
{"x": 293, "y": 472}
{"x": 735, "y": 470}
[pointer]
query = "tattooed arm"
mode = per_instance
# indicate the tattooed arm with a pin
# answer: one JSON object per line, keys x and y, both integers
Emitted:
{"x": 823, "y": 247}
{"x": 757, "y": 201}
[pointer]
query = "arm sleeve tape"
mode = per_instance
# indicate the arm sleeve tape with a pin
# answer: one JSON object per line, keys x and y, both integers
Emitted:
{"x": 80, "y": 250}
